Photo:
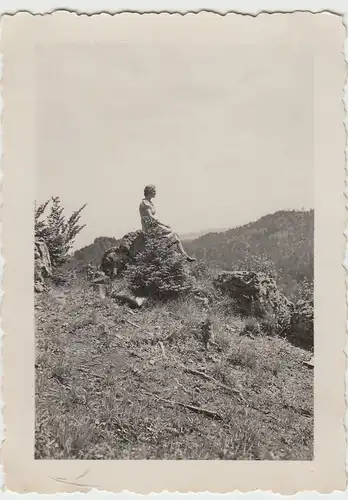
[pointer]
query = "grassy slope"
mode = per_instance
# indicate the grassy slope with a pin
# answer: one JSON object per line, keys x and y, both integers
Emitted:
{"x": 101, "y": 382}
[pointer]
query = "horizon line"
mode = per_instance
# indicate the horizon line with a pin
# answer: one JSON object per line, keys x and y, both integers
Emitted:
{"x": 203, "y": 232}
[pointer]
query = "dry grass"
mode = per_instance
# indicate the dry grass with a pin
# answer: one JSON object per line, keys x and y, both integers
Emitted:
{"x": 105, "y": 389}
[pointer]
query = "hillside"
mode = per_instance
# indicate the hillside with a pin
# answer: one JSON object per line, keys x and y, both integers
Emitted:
{"x": 112, "y": 383}
{"x": 210, "y": 365}
{"x": 283, "y": 241}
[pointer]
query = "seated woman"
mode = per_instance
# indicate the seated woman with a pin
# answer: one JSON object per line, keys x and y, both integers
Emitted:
{"x": 150, "y": 221}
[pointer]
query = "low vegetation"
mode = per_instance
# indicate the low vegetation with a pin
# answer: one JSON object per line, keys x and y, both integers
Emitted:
{"x": 56, "y": 230}
{"x": 114, "y": 382}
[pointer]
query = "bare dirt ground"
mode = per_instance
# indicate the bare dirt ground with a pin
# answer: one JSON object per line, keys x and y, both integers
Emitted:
{"x": 112, "y": 384}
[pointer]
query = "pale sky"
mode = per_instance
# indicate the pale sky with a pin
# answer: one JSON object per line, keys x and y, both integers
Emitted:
{"x": 224, "y": 131}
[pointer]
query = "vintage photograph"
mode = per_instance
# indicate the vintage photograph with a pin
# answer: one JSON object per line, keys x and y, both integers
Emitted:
{"x": 172, "y": 230}
{"x": 174, "y": 249}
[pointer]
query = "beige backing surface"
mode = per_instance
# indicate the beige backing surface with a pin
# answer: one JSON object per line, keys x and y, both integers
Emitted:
{"x": 20, "y": 35}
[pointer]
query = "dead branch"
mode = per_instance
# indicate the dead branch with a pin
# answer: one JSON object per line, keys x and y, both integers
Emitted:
{"x": 212, "y": 379}
{"x": 203, "y": 411}
{"x": 196, "y": 409}
{"x": 103, "y": 280}
{"x": 135, "y": 302}
{"x": 300, "y": 411}
{"x": 265, "y": 412}
{"x": 131, "y": 323}
{"x": 309, "y": 364}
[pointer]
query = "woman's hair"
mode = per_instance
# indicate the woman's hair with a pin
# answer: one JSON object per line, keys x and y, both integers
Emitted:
{"x": 149, "y": 189}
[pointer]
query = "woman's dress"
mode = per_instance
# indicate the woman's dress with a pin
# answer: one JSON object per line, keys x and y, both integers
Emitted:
{"x": 149, "y": 221}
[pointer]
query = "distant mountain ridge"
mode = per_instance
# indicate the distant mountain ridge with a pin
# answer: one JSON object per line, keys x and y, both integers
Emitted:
{"x": 198, "y": 234}
{"x": 284, "y": 238}
{"x": 94, "y": 252}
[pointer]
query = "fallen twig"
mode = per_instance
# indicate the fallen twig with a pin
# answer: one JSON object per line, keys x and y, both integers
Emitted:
{"x": 203, "y": 411}
{"x": 212, "y": 379}
{"x": 136, "y": 302}
{"x": 309, "y": 364}
{"x": 163, "y": 351}
{"x": 265, "y": 412}
{"x": 182, "y": 386}
{"x": 100, "y": 281}
{"x": 83, "y": 370}
{"x": 229, "y": 388}
{"x": 131, "y": 323}
{"x": 299, "y": 411}
{"x": 196, "y": 409}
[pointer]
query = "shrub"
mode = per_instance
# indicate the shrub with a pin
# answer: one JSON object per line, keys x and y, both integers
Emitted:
{"x": 201, "y": 270}
{"x": 56, "y": 230}
{"x": 306, "y": 291}
{"x": 251, "y": 326}
{"x": 259, "y": 264}
{"x": 62, "y": 278}
{"x": 302, "y": 331}
{"x": 159, "y": 270}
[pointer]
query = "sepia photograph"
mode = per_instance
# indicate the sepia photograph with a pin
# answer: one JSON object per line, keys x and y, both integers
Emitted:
{"x": 174, "y": 232}
{"x": 173, "y": 224}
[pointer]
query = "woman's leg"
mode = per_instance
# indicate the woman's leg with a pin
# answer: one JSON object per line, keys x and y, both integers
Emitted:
{"x": 181, "y": 248}
{"x": 176, "y": 241}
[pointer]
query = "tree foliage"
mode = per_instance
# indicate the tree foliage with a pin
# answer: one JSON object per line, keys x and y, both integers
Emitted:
{"x": 159, "y": 271}
{"x": 56, "y": 230}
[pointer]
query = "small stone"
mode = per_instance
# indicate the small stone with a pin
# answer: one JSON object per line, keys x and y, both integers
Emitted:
{"x": 140, "y": 301}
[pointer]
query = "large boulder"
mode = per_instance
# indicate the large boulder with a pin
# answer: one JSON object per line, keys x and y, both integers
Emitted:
{"x": 116, "y": 258}
{"x": 256, "y": 294}
{"x": 42, "y": 265}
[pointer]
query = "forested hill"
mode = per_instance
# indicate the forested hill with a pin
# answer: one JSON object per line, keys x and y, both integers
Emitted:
{"x": 285, "y": 239}
{"x": 282, "y": 241}
{"x": 94, "y": 252}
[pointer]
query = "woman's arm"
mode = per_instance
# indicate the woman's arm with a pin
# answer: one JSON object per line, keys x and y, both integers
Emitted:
{"x": 148, "y": 213}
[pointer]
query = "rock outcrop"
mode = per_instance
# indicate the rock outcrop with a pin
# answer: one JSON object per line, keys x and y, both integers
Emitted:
{"x": 42, "y": 265}
{"x": 256, "y": 294}
{"x": 115, "y": 259}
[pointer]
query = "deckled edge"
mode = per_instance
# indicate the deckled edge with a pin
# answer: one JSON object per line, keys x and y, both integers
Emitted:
{"x": 183, "y": 8}
{"x": 251, "y": 13}
{"x": 345, "y": 123}
{"x": 2, "y": 265}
